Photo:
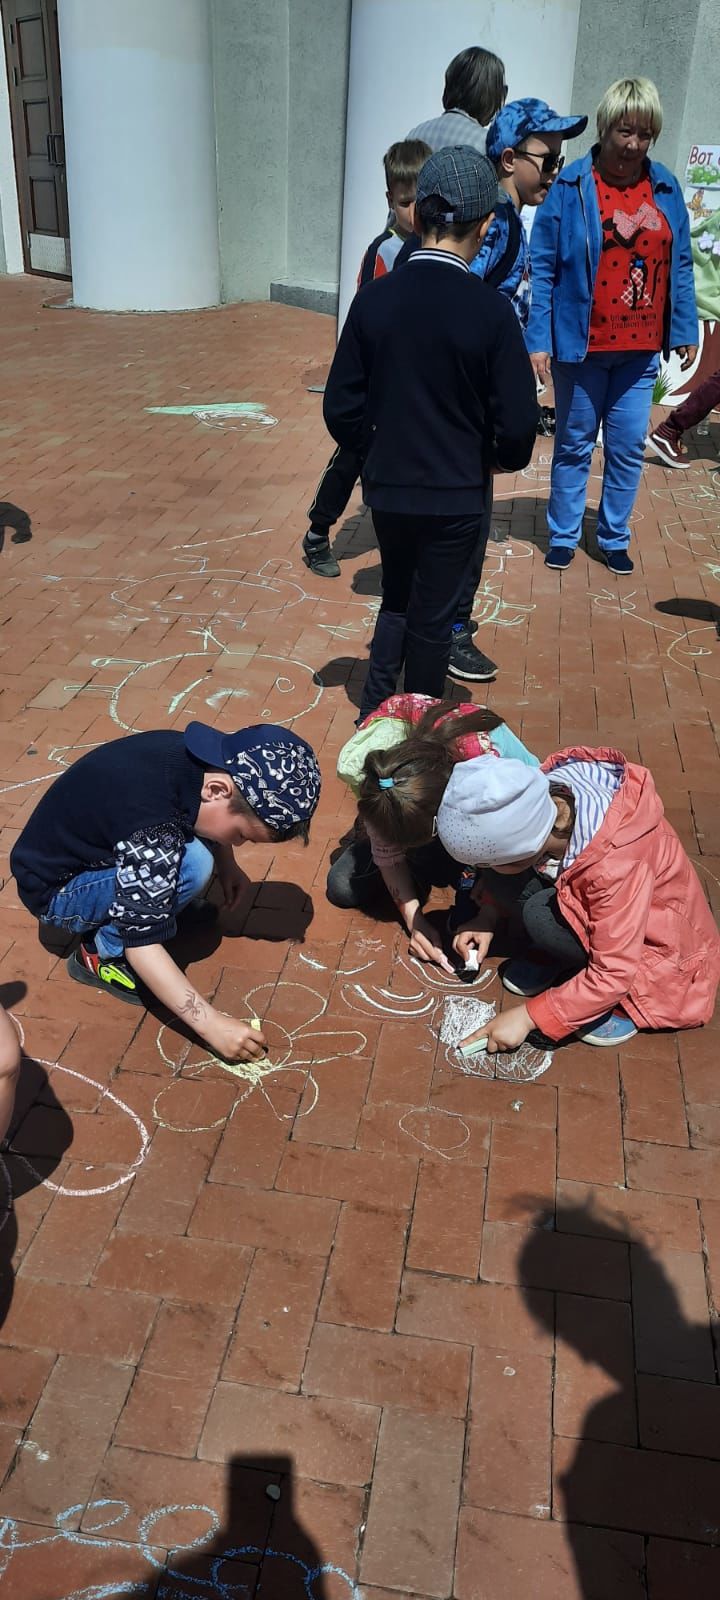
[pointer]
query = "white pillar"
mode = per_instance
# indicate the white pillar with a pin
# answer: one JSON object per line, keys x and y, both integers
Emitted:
{"x": 140, "y": 151}
{"x": 398, "y": 54}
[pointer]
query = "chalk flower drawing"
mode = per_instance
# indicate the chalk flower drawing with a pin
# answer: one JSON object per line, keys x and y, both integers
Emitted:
{"x": 293, "y": 1051}
{"x": 100, "y": 1516}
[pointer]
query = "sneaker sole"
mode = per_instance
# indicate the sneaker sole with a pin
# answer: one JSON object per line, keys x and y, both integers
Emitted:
{"x": 668, "y": 461}
{"x": 607, "y": 1044}
{"x": 79, "y": 972}
{"x": 614, "y": 570}
{"x": 525, "y": 994}
{"x": 558, "y": 566}
{"x": 470, "y": 677}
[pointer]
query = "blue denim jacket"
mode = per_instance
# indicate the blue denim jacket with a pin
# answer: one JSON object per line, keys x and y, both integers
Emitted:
{"x": 565, "y": 247}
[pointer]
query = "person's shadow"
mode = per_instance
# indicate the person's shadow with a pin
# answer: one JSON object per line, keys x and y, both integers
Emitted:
{"x": 39, "y": 1135}
{"x": 260, "y": 1549}
{"x": 627, "y": 1472}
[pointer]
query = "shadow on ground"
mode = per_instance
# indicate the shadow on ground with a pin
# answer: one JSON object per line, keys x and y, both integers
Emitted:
{"x": 260, "y": 1549}
{"x": 40, "y": 1133}
{"x": 691, "y": 610}
{"x": 631, "y": 1468}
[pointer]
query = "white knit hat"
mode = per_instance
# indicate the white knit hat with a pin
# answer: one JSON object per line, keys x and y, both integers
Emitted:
{"x": 495, "y": 812}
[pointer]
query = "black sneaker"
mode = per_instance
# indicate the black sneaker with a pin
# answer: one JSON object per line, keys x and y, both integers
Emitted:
{"x": 618, "y": 561}
{"x": 111, "y": 975}
{"x": 319, "y": 557}
{"x": 467, "y": 662}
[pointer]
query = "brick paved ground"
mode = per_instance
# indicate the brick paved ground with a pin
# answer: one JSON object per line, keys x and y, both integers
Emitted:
{"x": 345, "y": 1278}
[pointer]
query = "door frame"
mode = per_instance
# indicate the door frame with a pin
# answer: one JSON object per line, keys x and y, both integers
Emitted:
{"x": 22, "y": 184}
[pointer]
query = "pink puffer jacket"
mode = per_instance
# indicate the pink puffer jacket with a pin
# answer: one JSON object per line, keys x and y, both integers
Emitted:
{"x": 635, "y": 901}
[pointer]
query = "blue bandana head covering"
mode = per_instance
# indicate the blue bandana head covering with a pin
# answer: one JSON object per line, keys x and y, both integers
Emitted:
{"x": 276, "y": 771}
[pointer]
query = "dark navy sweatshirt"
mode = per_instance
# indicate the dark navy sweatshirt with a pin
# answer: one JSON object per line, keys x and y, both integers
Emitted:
{"x": 130, "y": 805}
{"x": 432, "y": 385}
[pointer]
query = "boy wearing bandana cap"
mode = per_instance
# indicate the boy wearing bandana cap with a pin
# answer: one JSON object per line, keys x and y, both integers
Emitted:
{"x": 116, "y": 849}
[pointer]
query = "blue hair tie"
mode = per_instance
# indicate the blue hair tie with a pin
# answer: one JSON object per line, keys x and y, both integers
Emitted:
{"x": 386, "y": 783}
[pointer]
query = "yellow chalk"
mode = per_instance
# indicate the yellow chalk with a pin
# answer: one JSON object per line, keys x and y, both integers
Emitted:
{"x": 256, "y": 1024}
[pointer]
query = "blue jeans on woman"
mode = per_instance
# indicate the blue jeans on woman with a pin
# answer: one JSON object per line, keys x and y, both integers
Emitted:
{"x": 615, "y": 390}
{"x": 82, "y": 905}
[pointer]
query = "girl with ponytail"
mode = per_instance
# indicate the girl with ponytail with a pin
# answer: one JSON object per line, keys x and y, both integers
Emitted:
{"x": 398, "y": 765}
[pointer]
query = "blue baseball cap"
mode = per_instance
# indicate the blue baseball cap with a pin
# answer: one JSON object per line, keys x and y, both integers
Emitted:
{"x": 519, "y": 118}
{"x": 275, "y": 770}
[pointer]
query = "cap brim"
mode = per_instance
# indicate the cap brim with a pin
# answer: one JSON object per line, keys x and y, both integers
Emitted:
{"x": 569, "y": 127}
{"x": 205, "y": 744}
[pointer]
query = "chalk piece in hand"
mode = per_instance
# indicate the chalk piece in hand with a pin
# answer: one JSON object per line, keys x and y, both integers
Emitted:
{"x": 256, "y": 1024}
{"x": 473, "y": 961}
{"x": 474, "y": 1048}
{"x": 273, "y": 1491}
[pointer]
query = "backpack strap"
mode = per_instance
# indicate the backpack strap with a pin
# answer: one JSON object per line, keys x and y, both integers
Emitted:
{"x": 496, "y": 277}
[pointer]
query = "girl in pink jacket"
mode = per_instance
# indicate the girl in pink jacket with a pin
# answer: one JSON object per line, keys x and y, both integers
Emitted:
{"x": 621, "y": 933}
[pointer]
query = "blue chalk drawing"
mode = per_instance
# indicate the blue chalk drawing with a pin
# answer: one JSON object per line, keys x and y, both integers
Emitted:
{"x": 111, "y": 1513}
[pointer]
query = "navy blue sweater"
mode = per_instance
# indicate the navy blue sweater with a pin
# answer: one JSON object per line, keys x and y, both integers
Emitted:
{"x": 131, "y": 804}
{"x": 432, "y": 385}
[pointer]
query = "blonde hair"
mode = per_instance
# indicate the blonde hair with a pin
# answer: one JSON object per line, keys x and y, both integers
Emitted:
{"x": 630, "y": 97}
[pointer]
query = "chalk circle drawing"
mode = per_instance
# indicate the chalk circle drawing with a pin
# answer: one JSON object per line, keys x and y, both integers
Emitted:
{"x": 211, "y": 676}
{"x": 6, "y": 1193}
{"x": 224, "y": 592}
{"x": 293, "y": 1051}
{"x": 103, "y": 1532}
{"x": 463, "y": 1016}
{"x": 443, "y": 1133}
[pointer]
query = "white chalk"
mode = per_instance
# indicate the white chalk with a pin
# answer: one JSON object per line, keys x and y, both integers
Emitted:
{"x": 473, "y": 961}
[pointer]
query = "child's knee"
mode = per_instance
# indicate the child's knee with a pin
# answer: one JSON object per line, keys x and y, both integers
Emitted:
{"x": 10, "y": 1051}
{"x": 198, "y": 866}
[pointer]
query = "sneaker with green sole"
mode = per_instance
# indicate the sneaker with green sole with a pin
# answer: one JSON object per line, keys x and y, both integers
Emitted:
{"x": 109, "y": 974}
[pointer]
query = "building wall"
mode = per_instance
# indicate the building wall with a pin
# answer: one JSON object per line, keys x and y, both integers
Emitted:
{"x": 399, "y": 52}
{"x": 654, "y": 39}
{"x": 251, "y": 69}
{"x": 700, "y": 121}
{"x": 280, "y": 92}
{"x": 319, "y": 48}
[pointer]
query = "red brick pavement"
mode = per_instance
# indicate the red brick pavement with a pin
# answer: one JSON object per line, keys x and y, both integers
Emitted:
{"x": 466, "y": 1326}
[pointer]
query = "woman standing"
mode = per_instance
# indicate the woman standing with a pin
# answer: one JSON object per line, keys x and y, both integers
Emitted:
{"x": 475, "y": 90}
{"x": 612, "y": 287}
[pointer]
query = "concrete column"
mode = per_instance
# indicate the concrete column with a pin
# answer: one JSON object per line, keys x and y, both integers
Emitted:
{"x": 398, "y": 54}
{"x": 140, "y": 150}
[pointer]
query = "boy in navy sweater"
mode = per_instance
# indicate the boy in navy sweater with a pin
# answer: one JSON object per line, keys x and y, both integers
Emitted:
{"x": 432, "y": 385}
{"x": 114, "y": 852}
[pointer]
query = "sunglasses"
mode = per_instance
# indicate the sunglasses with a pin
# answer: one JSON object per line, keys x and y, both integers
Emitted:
{"x": 548, "y": 164}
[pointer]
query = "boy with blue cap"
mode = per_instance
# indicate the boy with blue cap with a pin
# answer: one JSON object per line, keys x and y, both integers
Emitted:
{"x": 114, "y": 852}
{"x": 523, "y": 144}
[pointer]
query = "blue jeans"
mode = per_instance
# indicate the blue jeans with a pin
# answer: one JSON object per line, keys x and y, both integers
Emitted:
{"x": 82, "y": 905}
{"x": 615, "y": 390}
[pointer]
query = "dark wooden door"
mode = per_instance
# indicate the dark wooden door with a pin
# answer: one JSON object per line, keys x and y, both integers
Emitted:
{"x": 33, "y": 58}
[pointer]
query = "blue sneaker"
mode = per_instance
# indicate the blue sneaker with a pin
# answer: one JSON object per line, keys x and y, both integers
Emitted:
{"x": 559, "y": 556}
{"x": 611, "y": 1030}
{"x": 618, "y": 561}
{"x": 528, "y": 978}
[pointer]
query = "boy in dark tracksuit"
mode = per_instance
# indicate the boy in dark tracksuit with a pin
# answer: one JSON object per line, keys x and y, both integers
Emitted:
{"x": 402, "y": 163}
{"x": 432, "y": 385}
